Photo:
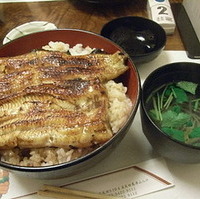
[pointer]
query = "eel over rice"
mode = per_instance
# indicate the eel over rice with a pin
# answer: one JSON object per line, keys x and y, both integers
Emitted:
{"x": 51, "y": 99}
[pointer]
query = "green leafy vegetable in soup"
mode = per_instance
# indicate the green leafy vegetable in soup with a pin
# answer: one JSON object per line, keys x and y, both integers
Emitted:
{"x": 175, "y": 108}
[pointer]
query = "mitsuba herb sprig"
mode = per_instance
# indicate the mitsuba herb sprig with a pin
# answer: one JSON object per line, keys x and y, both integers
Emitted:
{"x": 174, "y": 108}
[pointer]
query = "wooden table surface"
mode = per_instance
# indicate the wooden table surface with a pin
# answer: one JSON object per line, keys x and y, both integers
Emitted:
{"x": 73, "y": 14}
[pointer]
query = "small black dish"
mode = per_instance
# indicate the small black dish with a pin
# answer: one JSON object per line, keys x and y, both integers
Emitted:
{"x": 162, "y": 143}
{"x": 141, "y": 38}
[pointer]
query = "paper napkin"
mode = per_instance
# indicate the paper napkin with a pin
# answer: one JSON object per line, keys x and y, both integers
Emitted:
{"x": 130, "y": 182}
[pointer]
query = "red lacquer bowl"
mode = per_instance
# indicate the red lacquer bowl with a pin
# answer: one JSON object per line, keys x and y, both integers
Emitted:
{"x": 130, "y": 79}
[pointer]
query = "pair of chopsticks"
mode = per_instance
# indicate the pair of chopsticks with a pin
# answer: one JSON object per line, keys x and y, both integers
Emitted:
{"x": 63, "y": 193}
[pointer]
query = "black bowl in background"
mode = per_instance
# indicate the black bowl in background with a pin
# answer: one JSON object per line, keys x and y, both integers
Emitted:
{"x": 141, "y": 38}
{"x": 162, "y": 143}
{"x": 130, "y": 79}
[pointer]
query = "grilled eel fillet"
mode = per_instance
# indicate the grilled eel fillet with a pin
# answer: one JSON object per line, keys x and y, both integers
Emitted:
{"x": 58, "y": 65}
{"x": 50, "y": 99}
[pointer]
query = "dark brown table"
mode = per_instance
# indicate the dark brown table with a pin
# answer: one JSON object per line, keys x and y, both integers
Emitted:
{"x": 73, "y": 14}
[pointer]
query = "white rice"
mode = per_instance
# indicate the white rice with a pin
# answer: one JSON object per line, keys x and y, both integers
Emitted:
{"x": 78, "y": 49}
{"x": 119, "y": 104}
{"x": 119, "y": 109}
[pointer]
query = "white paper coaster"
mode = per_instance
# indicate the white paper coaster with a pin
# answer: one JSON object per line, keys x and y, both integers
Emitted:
{"x": 130, "y": 182}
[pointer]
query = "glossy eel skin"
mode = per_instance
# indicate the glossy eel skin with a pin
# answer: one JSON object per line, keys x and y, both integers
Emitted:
{"x": 51, "y": 99}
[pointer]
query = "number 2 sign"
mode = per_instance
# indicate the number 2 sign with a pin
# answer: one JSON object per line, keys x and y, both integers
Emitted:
{"x": 160, "y": 12}
{"x": 163, "y": 10}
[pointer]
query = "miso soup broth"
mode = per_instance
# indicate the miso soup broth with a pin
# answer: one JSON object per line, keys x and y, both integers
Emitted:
{"x": 175, "y": 109}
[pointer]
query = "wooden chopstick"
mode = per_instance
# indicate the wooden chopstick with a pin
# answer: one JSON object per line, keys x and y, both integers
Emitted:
{"x": 58, "y": 195}
{"x": 63, "y": 193}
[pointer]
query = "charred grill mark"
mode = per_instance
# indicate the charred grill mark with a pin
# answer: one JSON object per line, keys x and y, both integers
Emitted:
{"x": 69, "y": 61}
{"x": 65, "y": 72}
{"x": 63, "y": 90}
{"x": 13, "y": 64}
{"x": 12, "y": 82}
